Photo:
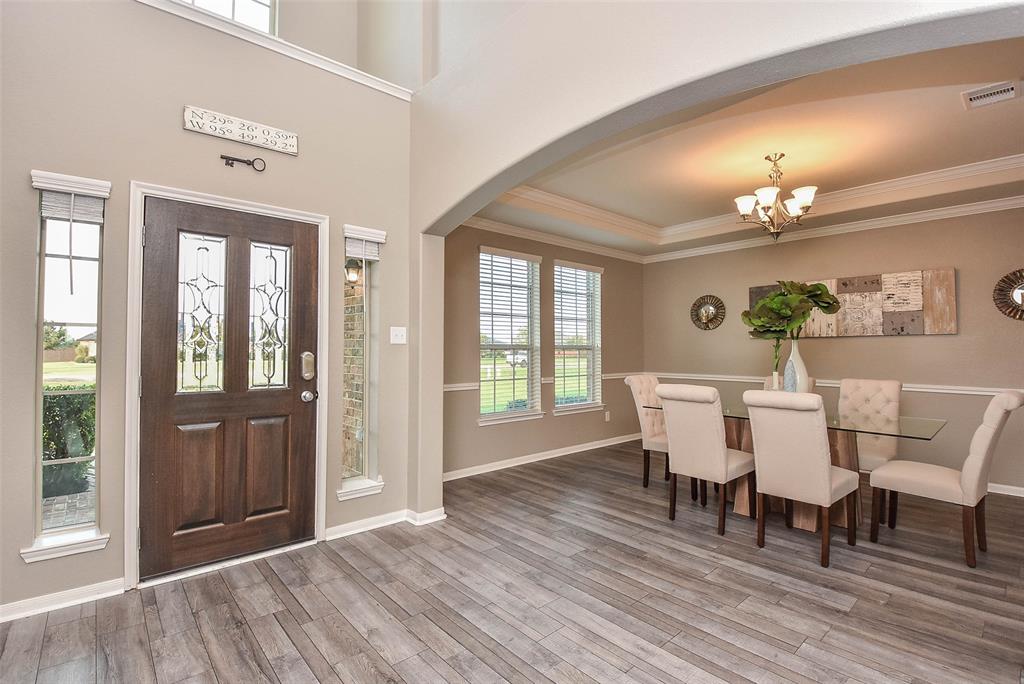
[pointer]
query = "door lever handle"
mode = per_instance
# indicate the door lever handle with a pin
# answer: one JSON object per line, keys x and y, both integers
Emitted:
{"x": 308, "y": 364}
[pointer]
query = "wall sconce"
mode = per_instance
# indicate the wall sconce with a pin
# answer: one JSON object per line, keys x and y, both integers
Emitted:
{"x": 352, "y": 270}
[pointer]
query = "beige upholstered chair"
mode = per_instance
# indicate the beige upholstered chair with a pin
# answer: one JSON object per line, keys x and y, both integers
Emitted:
{"x": 652, "y": 421}
{"x": 872, "y": 404}
{"x": 768, "y": 383}
{"x": 792, "y": 459}
{"x": 696, "y": 440}
{"x": 966, "y": 488}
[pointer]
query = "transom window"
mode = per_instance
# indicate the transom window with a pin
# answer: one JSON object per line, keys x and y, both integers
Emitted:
{"x": 69, "y": 352}
{"x": 577, "y": 335}
{"x": 509, "y": 333}
{"x": 257, "y": 14}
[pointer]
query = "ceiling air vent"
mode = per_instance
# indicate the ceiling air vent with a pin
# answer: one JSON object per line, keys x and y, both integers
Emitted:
{"x": 990, "y": 94}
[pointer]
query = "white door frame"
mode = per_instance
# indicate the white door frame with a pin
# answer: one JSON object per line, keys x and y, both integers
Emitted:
{"x": 133, "y": 352}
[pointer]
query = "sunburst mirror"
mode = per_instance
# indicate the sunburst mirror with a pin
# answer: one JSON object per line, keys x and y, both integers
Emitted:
{"x": 1009, "y": 294}
{"x": 707, "y": 312}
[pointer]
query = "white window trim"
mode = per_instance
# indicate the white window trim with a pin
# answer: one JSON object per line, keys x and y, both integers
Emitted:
{"x": 65, "y": 543}
{"x": 514, "y": 417}
{"x": 59, "y": 182}
{"x": 275, "y": 44}
{"x": 356, "y": 487}
{"x": 363, "y": 233}
{"x": 569, "y": 409}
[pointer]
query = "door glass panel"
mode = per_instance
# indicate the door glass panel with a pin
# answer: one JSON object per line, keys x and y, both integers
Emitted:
{"x": 201, "y": 260}
{"x": 269, "y": 277}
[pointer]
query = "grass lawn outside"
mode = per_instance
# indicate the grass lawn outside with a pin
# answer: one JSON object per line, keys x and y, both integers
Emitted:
{"x": 69, "y": 373}
{"x": 510, "y": 386}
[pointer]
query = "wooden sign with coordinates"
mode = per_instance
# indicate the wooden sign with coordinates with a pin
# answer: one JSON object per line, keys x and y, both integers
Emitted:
{"x": 219, "y": 125}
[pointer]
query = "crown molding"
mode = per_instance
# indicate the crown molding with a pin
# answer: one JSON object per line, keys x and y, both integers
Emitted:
{"x": 47, "y": 180}
{"x": 580, "y": 213}
{"x": 928, "y": 184}
{"x": 538, "y": 236}
{"x": 937, "y": 214}
{"x": 282, "y": 47}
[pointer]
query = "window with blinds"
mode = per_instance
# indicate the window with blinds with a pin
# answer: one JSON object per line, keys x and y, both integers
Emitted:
{"x": 69, "y": 339}
{"x": 577, "y": 295}
{"x": 509, "y": 333}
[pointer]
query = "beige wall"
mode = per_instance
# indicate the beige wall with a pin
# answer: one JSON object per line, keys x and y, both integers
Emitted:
{"x": 327, "y": 27}
{"x": 96, "y": 89}
{"x": 985, "y": 353}
{"x": 467, "y": 444}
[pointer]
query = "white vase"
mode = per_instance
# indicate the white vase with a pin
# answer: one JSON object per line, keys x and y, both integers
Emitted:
{"x": 796, "y": 378}
{"x": 775, "y": 381}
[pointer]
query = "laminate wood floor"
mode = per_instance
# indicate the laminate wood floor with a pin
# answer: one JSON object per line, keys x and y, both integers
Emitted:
{"x": 566, "y": 570}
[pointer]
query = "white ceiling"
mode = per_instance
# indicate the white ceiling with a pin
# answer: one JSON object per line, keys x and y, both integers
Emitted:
{"x": 870, "y": 125}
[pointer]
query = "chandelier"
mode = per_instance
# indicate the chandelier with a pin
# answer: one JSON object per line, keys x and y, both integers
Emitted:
{"x": 767, "y": 209}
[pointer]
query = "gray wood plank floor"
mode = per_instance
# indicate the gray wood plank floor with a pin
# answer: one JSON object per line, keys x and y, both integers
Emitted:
{"x": 566, "y": 570}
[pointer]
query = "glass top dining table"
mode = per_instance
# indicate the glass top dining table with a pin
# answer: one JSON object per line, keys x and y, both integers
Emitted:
{"x": 908, "y": 427}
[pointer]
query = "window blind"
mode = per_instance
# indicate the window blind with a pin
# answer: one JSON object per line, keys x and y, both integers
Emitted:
{"x": 358, "y": 248}
{"x": 577, "y": 294}
{"x": 67, "y": 206}
{"x": 509, "y": 333}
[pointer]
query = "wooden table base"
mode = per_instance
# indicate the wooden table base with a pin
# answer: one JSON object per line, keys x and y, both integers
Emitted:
{"x": 843, "y": 446}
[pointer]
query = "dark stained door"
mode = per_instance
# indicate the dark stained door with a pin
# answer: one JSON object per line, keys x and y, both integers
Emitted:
{"x": 228, "y": 423}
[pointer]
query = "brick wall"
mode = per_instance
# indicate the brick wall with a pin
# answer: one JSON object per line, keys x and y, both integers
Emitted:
{"x": 353, "y": 429}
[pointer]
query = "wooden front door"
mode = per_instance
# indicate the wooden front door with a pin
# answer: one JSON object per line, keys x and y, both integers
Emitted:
{"x": 228, "y": 424}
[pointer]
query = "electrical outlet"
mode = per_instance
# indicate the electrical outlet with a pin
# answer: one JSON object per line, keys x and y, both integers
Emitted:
{"x": 398, "y": 335}
{"x": 607, "y": 416}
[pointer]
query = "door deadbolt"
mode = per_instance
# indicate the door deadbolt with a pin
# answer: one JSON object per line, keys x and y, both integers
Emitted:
{"x": 308, "y": 363}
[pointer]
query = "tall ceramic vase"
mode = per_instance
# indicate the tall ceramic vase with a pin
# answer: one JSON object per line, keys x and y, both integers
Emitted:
{"x": 796, "y": 378}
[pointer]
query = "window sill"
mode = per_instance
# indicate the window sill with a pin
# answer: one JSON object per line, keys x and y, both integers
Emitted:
{"x": 577, "y": 408}
{"x": 509, "y": 418}
{"x": 65, "y": 544}
{"x": 355, "y": 487}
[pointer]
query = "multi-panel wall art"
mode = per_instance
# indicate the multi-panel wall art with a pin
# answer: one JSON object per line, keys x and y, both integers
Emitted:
{"x": 907, "y": 303}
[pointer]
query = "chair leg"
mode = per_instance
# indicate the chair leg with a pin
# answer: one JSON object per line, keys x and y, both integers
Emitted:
{"x": 876, "y": 511}
{"x": 881, "y": 505}
{"x": 752, "y": 493}
{"x": 787, "y": 507}
{"x": 969, "y": 536}
{"x": 851, "y": 518}
{"x": 716, "y": 488}
{"x": 826, "y": 534}
{"x": 647, "y": 466}
{"x": 666, "y": 467}
{"x": 760, "y": 519}
{"x": 672, "y": 497}
{"x": 721, "y": 513}
{"x": 979, "y": 524}
{"x": 693, "y": 488}
{"x": 704, "y": 493}
{"x": 893, "y": 503}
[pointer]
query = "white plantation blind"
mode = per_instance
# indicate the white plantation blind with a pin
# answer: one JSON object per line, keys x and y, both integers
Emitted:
{"x": 509, "y": 332}
{"x": 65, "y": 206}
{"x": 577, "y": 334}
{"x": 358, "y": 248}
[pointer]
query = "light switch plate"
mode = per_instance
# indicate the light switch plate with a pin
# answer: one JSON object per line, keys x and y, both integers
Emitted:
{"x": 398, "y": 335}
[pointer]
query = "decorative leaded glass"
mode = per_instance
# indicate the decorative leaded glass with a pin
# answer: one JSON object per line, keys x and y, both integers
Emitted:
{"x": 269, "y": 291}
{"x": 201, "y": 262}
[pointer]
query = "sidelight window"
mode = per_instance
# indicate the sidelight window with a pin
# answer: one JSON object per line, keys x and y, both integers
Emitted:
{"x": 256, "y": 14}
{"x": 69, "y": 338}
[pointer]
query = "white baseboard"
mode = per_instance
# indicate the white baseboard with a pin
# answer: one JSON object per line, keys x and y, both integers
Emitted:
{"x": 60, "y": 599}
{"x": 367, "y": 524}
{"x": 530, "y": 458}
{"x": 426, "y": 517}
{"x": 1011, "y": 490}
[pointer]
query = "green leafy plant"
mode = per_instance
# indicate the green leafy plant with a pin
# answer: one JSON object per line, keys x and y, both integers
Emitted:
{"x": 69, "y": 431}
{"x": 782, "y": 313}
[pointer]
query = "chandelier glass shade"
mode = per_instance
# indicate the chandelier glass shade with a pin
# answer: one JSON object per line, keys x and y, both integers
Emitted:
{"x": 767, "y": 209}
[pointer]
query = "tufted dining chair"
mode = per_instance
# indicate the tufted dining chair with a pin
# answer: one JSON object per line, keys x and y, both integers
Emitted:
{"x": 872, "y": 404}
{"x": 652, "y": 421}
{"x": 696, "y": 440}
{"x": 768, "y": 383}
{"x": 966, "y": 487}
{"x": 793, "y": 461}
